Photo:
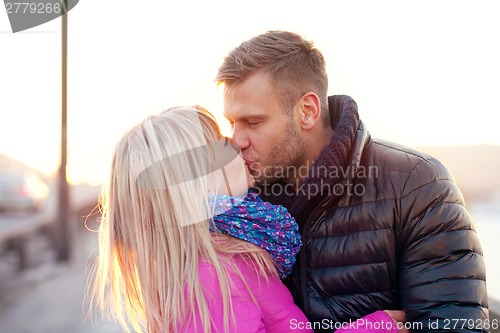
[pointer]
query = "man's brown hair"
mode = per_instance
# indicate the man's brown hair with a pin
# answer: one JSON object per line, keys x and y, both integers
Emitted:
{"x": 294, "y": 65}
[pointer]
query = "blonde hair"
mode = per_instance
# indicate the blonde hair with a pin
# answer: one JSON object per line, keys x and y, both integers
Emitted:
{"x": 294, "y": 65}
{"x": 150, "y": 247}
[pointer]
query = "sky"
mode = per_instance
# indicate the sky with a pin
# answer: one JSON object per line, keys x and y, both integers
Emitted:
{"x": 422, "y": 72}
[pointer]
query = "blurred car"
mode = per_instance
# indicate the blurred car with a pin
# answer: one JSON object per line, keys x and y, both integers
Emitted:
{"x": 22, "y": 190}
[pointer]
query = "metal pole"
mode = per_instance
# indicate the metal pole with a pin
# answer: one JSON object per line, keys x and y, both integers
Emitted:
{"x": 63, "y": 229}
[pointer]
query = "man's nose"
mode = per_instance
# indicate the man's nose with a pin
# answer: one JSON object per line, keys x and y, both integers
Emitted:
{"x": 240, "y": 138}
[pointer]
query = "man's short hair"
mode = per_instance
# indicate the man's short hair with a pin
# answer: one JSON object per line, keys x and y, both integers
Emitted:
{"x": 294, "y": 65}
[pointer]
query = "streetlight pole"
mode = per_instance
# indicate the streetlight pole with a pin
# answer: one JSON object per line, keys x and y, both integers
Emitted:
{"x": 63, "y": 228}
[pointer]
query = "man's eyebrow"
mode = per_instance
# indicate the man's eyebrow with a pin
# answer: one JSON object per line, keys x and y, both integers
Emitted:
{"x": 246, "y": 117}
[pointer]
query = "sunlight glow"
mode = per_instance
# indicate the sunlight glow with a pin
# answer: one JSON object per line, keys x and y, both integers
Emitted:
{"x": 414, "y": 83}
{"x": 224, "y": 124}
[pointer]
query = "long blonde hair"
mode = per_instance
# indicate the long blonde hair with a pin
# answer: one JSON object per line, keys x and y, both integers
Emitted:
{"x": 150, "y": 247}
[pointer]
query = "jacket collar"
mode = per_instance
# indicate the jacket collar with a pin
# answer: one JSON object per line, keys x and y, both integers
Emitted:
{"x": 335, "y": 160}
{"x": 342, "y": 152}
{"x": 338, "y": 104}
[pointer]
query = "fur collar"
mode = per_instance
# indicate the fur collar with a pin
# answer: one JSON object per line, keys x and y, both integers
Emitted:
{"x": 326, "y": 170}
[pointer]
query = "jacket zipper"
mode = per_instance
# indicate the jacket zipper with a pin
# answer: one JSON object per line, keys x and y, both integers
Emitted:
{"x": 303, "y": 261}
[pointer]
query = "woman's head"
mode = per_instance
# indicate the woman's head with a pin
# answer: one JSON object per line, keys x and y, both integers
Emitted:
{"x": 156, "y": 216}
{"x": 172, "y": 161}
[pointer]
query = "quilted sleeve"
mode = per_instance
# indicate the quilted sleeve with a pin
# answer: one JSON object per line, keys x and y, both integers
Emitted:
{"x": 442, "y": 272}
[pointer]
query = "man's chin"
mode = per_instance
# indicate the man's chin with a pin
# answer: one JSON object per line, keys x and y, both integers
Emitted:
{"x": 257, "y": 182}
{"x": 263, "y": 181}
{"x": 261, "y": 178}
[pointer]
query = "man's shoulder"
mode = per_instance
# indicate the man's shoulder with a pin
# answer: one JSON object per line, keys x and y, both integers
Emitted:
{"x": 414, "y": 165}
{"x": 392, "y": 153}
{"x": 396, "y": 149}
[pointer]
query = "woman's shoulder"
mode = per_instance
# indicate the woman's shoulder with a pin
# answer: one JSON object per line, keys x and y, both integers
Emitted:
{"x": 237, "y": 267}
{"x": 270, "y": 300}
{"x": 244, "y": 276}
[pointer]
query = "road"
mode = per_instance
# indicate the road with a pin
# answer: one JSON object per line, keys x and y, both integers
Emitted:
{"x": 49, "y": 296}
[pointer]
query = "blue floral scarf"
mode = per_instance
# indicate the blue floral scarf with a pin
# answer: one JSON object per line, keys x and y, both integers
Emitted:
{"x": 268, "y": 226}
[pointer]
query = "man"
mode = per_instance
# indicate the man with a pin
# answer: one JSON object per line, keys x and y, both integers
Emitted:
{"x": 383, "y": 226}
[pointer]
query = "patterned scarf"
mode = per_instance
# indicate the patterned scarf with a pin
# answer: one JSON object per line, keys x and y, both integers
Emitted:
{"x": 261, "y": 223}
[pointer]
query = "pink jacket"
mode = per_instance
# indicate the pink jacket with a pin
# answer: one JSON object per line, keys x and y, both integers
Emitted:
{"x": 274, "y": 311}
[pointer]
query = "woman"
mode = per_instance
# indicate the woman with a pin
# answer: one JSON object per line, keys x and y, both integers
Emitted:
{"x": 183, "y": 246}
{"x": 163, "y": 265}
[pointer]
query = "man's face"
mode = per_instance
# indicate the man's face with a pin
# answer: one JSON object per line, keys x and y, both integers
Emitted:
{"x": 267, "y": 135}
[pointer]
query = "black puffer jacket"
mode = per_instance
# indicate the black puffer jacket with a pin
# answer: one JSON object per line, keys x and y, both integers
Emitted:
{"x": 397, "y": 237}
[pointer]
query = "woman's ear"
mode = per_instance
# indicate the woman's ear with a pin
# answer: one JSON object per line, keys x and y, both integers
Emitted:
{"x": 310, "y": 110}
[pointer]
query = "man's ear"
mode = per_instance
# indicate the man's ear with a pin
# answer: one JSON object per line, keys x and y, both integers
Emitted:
{"x": 310, "y": 110}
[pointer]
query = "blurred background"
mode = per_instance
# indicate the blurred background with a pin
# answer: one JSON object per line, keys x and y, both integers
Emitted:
{"x": 424, "y": 73}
